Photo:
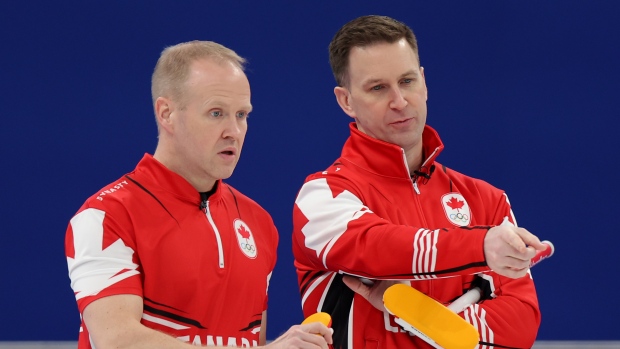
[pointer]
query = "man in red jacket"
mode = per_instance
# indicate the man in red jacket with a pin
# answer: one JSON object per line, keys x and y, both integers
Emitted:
{"x": 387, "y": 210}
{"x": 170, "y": 256}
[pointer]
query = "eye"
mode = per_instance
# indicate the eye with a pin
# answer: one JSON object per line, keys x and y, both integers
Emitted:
{"x": 377, "y": 88}
{"x": 242, "y": 115}
{"x": 216, "y": 113}
{"x": 407, "y": 81}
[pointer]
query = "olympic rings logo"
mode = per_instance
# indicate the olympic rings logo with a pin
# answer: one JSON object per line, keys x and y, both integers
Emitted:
{"x": 459, "y": 217}
{"x": 247, "y": 247}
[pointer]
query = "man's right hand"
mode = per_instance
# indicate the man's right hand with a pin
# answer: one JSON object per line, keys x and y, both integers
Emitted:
{"x": 309, "y": 336}
{"x": 509, "y": 249}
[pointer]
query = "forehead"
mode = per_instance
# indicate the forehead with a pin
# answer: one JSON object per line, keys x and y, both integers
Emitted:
{"x": 210, "y": 80}
{"x": 382, "y": 61}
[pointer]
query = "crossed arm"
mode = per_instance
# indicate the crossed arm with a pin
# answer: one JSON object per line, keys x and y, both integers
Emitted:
{"x": 114, "y": 322}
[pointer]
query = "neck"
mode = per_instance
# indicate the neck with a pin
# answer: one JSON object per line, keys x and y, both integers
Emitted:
{"x": 415, "y": 157}
{"x": 175, "y": 164}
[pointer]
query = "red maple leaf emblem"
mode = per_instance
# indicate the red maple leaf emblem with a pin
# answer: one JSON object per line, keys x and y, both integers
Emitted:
{"x": 455, "y": 203}
{"x": 243, "y": 232}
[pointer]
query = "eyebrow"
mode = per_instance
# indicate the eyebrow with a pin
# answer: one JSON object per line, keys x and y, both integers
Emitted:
{"x": 218, "y": 104}
{"x": 372, "y": 81}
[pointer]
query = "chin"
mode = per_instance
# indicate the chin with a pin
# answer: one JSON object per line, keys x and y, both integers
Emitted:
{"x": 227, "y": 174}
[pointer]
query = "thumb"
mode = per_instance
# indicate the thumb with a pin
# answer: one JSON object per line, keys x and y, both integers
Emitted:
{"x": 356, "y": 285}
{"x": 531, "y": 240}
{"x": 515, "y": 238}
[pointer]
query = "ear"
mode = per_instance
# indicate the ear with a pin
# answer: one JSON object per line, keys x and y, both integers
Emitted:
{"x": 424, "y": 82}
{"x": 163, "y": 113}
{"x": 343, "y": 97}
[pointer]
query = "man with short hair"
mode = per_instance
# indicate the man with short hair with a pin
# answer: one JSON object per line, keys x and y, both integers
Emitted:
{"x": 387, "y": 210}
{"x": 169, "y": 253}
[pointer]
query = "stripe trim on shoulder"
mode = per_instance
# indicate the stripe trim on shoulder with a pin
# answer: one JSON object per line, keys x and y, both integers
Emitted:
{"x": 234, "y": 197}
{"x": 151, "y": 194}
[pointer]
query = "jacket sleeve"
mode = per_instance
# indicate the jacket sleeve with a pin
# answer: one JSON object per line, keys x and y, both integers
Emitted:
{"x": 334, "y": 231}
{"x": 101, "y": 255}
{"x": 510, "y": 317}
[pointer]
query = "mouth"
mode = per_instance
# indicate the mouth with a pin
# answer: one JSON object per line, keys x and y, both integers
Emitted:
{"x": 229, "y": 151}
{"x": 400, "y": 122}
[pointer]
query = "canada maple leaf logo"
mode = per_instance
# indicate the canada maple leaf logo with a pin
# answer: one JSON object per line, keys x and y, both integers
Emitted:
{"x": 455, "y": 203}
{"x": 93, "y": 266}
{"x": 243, "y": 232}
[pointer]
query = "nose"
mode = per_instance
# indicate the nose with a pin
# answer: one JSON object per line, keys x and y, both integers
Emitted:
{"x": 398, "y": 101}
{"x": 232, "y": 128}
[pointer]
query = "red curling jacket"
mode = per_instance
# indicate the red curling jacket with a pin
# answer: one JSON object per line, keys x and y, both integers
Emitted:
{"x": 201, "y": 266}
{"x": 366, "y": 215}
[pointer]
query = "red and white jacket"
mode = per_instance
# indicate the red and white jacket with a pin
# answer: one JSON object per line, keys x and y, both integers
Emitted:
{"x": 202, "y": 268}
{"x": 366, "y": 215}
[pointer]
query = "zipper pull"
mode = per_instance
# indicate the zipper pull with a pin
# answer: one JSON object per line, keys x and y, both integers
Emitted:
{"x": 204, "y": 197}
{"x": 415, "y": 186}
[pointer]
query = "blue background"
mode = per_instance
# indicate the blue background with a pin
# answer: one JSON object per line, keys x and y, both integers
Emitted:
{"x": 523, "y": 93}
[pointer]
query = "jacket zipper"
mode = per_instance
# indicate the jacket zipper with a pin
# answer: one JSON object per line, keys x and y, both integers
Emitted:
{"x": 419, "y": 206}
{"x": 220, "y": 250}
{"x": 414, "y": 180}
